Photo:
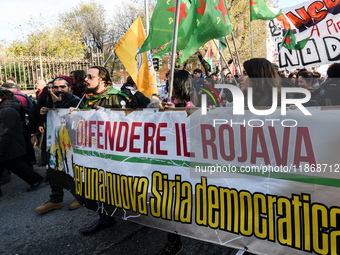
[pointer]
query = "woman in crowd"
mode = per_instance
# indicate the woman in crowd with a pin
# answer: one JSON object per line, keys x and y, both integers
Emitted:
{"x": 183, "y": 94}
{"x": 262, "y": 76}
{"x": 12, "y": 144}
{"x": 78, "y": 86}
{"x": 319, "y": 97}
{"x": 292, "y": 78}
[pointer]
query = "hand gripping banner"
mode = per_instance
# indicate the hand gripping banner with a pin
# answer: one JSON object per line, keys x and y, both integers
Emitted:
{"x": 249, "y": 182}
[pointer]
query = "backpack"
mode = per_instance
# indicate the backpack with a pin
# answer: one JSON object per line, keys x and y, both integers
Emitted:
{"x": 31, "y": 114}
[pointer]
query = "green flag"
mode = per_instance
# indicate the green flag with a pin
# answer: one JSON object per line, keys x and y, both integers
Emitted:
{"x": 185, "y": 30}
{"x": 289, "y": 41}
{"x": 162, "y": 23}
{"x": 260, "y": 10}
{"x": 207, "y": 57}
{"x": 212, "y": 21}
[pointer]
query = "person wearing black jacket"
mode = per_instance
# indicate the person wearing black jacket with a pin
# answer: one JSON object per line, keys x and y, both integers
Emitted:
{"x": 332, "y": 84}
{"x": 12, "y": 144}
{"x": 136, "y": 98}
{"x": 61, "y": 98}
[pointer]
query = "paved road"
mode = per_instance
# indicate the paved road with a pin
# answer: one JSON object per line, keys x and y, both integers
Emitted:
{"x": 22, "y": 231}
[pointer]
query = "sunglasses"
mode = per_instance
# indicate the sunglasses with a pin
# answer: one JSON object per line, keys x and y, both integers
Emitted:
{"x": 89, "y": 76}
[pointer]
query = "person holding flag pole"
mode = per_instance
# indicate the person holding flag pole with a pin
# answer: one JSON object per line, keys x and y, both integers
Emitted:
{"x": 173, "y": 54}
{"x": 173, "y": 244}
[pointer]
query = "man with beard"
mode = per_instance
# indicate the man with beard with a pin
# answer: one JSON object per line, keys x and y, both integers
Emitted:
{"x": 100, "y": 94}
{"x": 99, "y": 91}
{"x": 61, "y": 98}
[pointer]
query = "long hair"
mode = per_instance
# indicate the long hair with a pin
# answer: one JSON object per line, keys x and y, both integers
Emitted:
{"x": 104, "y": 75}
{"x": 182, "y": 85}
{"x": 78, "y": 77}
{"x": 266, "y": 74}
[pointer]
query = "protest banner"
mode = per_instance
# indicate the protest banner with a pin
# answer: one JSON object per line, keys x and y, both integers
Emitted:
{"x": 250, "y": 182}
{"x": 319, "y": 20}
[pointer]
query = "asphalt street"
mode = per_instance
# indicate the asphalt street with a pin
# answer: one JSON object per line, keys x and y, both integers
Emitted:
{"x": 22, "y": 231}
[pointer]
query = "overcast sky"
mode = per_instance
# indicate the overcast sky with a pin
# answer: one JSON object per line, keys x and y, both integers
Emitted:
{"x": 15, "y": 14}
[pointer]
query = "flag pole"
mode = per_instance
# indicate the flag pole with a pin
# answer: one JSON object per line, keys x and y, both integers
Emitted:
{"x": 251, "y": 32}
{"x": 174, "y": 43}
{"x": 231, "y": 54}
{"x": 219, "y": 47}
{"x": 226, "y": 63}
{"x": 109, "y": 57}
{"x": 237, "y": 55}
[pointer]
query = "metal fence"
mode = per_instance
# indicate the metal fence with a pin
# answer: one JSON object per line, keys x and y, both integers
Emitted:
{"x": 27, "y": 70}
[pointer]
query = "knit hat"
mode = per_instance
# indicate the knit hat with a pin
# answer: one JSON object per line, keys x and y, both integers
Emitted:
{"x": 66, "y": 78}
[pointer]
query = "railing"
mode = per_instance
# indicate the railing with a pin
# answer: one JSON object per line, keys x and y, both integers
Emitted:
{"x": 27, "y": 70}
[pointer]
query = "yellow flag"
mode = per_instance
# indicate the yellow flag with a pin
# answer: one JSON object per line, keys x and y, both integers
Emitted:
{"x": 140, "y": 68}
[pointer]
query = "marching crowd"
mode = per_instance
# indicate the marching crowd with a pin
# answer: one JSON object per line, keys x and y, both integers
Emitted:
{"x": 93, "y": 90}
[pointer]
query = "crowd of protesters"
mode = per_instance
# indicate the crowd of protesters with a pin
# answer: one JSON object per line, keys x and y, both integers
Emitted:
{"x": 325, "y": 91}
{"x": 93, "y": 90}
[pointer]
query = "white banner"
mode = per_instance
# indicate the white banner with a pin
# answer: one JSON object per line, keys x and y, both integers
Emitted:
{"x": 264, "y": 184}
{"x": 318, "y": 19}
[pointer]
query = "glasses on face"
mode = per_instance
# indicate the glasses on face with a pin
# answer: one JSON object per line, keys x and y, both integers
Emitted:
{"x": 90, "y": 76}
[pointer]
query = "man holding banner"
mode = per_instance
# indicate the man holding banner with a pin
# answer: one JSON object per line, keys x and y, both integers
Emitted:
{"x": 100, "y": 94}
{"x": 62, "y": 98}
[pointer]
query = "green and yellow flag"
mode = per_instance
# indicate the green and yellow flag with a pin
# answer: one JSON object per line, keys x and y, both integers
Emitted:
{"x": 260, "y": 10}
{"x": 139, "y": 67}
